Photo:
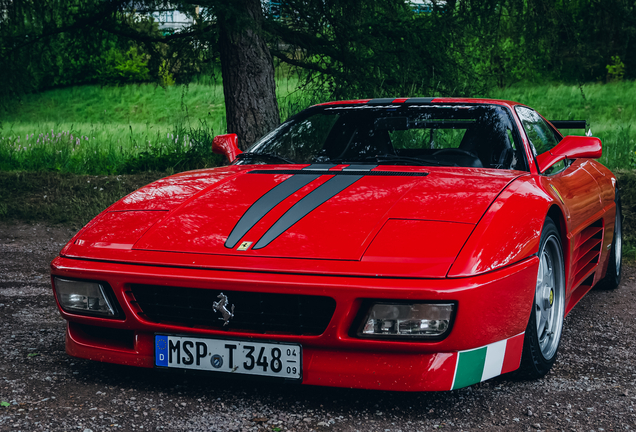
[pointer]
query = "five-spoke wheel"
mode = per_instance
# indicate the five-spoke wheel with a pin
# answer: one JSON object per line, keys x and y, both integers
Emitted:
{"x": 543, "y": 333}
{"x": 549, "y": 297}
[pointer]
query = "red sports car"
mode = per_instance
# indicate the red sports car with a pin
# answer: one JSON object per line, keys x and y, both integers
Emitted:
{"x": 396, "y": 244}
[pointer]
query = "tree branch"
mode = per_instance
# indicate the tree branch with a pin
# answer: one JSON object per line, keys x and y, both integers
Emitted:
{"x": 30, "y": 39}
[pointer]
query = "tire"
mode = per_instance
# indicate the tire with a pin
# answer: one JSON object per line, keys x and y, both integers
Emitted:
{"x": 543, "y": 334}
{"x": 615, "y": 266}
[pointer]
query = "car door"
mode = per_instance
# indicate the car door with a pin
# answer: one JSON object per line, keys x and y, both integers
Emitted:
{"x": 577, "y": 189}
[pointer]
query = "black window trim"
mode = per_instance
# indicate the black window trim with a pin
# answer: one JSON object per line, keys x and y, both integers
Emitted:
{"x": 555, "y": 131}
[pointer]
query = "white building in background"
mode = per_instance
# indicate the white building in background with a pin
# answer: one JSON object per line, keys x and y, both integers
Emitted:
{"x": 425, "y": 6}
{"x": 172, "y": 20}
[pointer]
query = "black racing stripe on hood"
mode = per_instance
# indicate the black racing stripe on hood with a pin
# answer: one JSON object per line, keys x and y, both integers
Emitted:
{"x": 380, "y": 101}
{"x": 419, "y": 100}
{"x": 270, "y": 200}
{"x": 310, "y": 202}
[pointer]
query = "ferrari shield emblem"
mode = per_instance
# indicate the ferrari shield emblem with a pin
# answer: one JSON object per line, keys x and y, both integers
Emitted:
{"x": 244, "y": 246}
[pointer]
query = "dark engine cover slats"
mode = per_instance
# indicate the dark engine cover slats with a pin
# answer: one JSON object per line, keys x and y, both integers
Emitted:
{"x": 254, "y": 312}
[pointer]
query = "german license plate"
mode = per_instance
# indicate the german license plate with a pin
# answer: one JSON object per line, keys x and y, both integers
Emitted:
{"x": 271, "y": 359}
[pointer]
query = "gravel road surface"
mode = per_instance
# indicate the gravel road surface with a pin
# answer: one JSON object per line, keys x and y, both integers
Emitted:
{"x": 591, "y": 388}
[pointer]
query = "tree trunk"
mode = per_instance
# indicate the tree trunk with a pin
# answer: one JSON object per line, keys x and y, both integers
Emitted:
{"x": 248, "y": 73}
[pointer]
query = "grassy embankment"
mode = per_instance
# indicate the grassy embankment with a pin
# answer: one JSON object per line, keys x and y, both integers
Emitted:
{"x": 135, "y": 128}
{"x": 120, "y": 130}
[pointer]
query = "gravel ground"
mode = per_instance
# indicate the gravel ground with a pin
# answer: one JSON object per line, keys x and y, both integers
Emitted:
{"x": 591, "y": 388}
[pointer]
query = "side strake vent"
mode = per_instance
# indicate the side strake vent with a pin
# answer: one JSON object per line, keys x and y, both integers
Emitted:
{"x": 587, "y": 251}
{"x": 254, "y": 312}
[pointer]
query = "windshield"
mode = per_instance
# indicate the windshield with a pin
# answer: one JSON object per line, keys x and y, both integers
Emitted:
{"x": 479, "y": 136}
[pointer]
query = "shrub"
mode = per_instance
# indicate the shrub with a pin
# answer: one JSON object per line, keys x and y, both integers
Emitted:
{"x": 616, "y": 70}
{"x": 166, "y": 79}
{"x": 123, "y": 68}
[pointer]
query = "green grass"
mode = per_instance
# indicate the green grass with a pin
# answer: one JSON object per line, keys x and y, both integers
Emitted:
{"x": 136, "y": 104}
{"x": 608, "y": 108}
{"x": 133, "y": 128}
{"x": 114, "y": 130}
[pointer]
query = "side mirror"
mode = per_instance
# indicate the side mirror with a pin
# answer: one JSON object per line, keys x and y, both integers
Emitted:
{"x": 226, "y": 145}
{"x": 571, "y": 147}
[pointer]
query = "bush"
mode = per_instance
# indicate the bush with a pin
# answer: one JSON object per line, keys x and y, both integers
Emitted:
{"x": 615, "y": 71}
{"x": 166, "y": 79}
{"x": 123, "y": 68}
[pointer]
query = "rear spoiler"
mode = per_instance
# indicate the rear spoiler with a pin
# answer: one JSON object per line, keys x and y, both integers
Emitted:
{"x": 568, "y": 124}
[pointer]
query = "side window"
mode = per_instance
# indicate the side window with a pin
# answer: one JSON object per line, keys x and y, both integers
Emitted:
{"x": 557, "y": 167}
{"x": 539, "y": 133}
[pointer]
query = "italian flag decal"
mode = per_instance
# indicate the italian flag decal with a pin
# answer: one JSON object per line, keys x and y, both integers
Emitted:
{"x": 479, "y": 364}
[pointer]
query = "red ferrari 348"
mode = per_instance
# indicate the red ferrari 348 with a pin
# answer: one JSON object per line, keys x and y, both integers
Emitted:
{"x": 397, "y": 244}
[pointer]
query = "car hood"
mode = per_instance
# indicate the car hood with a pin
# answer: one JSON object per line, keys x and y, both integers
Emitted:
{"x": 294, "y": 212}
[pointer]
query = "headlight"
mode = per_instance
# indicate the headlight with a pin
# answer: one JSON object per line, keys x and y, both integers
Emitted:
{"x": 416, "y": 320}
{"x": 83, "y": 297}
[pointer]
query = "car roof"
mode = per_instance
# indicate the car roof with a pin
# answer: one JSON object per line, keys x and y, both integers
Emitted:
{"x": 422, "y": 100}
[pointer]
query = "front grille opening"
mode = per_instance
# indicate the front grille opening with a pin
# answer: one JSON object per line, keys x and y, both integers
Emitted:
{"x": 253, "y": 311}
{"x": 104, "y": 336}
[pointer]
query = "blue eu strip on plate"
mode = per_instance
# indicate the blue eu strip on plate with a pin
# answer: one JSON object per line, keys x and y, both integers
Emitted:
{"x": 161, "y": 350}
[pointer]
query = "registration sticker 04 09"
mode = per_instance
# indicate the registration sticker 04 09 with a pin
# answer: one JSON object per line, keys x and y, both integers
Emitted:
{"x": 273, "y": 359}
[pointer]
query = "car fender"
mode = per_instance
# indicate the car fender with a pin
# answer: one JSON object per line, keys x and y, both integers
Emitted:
{"x": 509, "y": 231}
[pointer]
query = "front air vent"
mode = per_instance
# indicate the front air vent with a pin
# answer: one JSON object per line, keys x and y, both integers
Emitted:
{"x": 587, "y": 251}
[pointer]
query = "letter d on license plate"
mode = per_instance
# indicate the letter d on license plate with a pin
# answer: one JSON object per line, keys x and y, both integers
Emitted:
{"x": 232, "y": 356}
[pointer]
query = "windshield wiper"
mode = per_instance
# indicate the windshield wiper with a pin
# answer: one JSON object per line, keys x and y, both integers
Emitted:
{"x": 268, "y": 156}
{"x": 412, "y": 160}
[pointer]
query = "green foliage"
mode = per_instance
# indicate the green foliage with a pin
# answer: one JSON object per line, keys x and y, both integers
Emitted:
{"x": 608, "y": 109}
{"x": 378, "y": 48}
{"x": 53, "y": 43}
{"x": 350, "y": 49}
{"x": 616, "y": 70}
{"x": 166, "y": 79}
{"x": 124, "y": 67}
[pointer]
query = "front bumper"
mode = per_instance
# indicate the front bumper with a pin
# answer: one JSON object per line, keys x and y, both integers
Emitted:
{"x": 486, "y": 338}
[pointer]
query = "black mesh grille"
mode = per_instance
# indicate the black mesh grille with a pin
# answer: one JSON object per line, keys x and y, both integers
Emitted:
{"x": 256, "y": 312}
